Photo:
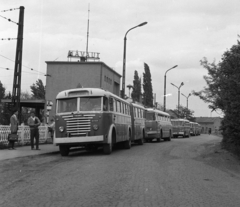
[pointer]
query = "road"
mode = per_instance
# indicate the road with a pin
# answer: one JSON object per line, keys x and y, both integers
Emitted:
{"x": 184, "y": 172}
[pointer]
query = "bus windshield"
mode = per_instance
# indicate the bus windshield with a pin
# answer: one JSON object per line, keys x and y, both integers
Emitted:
{"x": 90, "y": 104}
{"x": 67, "y": 105}
{"x": 150, "y": 116}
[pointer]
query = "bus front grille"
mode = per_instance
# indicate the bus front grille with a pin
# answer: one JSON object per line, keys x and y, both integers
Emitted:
{"x": 78, "y": 125}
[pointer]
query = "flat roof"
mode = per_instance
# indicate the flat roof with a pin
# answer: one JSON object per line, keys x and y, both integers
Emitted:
{"x": 82, "y": 63}
{"x": 32, "y": 103}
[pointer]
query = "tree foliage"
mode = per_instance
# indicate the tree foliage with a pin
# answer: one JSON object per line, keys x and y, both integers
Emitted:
{"x": 25, "y": 95}
{"x": 38, "y": 90}
{"x": 184, "y": 113}
{"x": 223, "y": 91}
{"x": 136, "y": 92}
{"x": 147, "y": 87}
{"x": 4, "y": 112}
{"x": 2, "y": 91}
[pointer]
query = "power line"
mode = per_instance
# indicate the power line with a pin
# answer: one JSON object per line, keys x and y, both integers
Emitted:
{"x": 10, "y": 9}
{"x": 9, "y": 19}
{"x": 9, "y": 38}
{"x": 33, "y": 73}
{"x": 23, "y": 65}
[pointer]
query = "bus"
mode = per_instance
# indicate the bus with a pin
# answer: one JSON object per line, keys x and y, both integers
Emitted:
{"x": 158, "y": 125}
{"x": 199, "y": 128}
{"x": 181, "y": 127}
{"x": 137, "y": 112}
{"x": 93, "y": 117}
{"x": 194, "y": 129}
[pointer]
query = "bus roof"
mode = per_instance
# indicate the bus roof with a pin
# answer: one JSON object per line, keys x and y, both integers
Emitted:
{"x": 185, "y": 120}
{"x": 157, "y": 111}
{"x": 86, "y": 92}
{"x": 138, "y": 105}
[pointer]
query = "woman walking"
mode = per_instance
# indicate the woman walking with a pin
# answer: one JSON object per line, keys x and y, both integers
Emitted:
{"x": 13, "y": 128}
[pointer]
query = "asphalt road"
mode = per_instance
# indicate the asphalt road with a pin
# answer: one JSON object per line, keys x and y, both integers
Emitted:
{"x": 184, "y": 172}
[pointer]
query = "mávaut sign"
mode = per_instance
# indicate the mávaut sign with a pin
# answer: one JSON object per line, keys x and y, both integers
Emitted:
{"x": 83, "y": 55}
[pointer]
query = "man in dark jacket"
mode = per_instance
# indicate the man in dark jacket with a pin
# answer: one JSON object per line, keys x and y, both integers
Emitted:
{"x": 34, "y": 123}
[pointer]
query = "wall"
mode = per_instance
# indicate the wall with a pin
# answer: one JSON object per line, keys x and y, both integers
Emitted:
{"x": 69, "y": 75}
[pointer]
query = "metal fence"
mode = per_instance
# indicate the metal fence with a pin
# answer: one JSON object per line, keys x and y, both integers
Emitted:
{"x": 23, "y": 135}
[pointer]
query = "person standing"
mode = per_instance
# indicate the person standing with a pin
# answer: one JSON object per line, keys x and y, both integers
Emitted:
{"x": 34, "y": 123}
{"x": 51, "y": 128}
{"x": 13, "y": 128}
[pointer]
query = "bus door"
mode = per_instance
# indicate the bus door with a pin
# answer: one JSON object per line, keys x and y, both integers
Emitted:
{"x": 132, "y": 121}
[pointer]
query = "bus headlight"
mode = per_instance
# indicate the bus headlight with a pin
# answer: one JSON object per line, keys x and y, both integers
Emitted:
{"x": 95, "y": 127}
{"x": 61, "y": 128}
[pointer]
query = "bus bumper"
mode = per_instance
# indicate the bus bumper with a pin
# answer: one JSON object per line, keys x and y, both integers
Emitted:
{"x": 151, "y": 134}
{"x": 91, "y": 139}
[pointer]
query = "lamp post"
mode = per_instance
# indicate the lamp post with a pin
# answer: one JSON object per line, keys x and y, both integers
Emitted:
{"x": 124, "y": 57}
{"x": 129, "y": 88}
{"x": 178, "y": 94}
{"x": 187, "y": 97}
{"x": 164, "y": 97}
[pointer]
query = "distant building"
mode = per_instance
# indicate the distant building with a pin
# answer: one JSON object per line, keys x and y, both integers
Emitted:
{"x": 213, "y": 123}
{"x": 68, "y": 75}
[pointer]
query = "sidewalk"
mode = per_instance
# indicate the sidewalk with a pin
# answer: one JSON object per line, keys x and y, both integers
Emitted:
{"x": 22, "y": 151}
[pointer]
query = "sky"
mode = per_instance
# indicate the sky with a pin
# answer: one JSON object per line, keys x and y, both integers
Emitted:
{"x": 178, "y": 32}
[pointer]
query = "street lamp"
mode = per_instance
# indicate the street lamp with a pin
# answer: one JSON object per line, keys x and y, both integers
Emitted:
{"x": 124, "y": 57}
{"x": 129, "y": 88}
{"x": 178, "y": 94}
{"x": 164, "y": 97}
{"x": 187, "y": 97}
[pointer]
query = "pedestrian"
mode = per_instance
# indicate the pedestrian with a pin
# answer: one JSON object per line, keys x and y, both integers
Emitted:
{"x": 34, "y": 123}
{"x": 13, "y": 128}
{"x": 51, "y": 127}
{"x": 209, "y": 131}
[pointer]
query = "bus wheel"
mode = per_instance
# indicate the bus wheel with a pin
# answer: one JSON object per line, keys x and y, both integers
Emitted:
{"x": 127, "y": 144}
{"x": 64, "y": 150}
{"x": 142, "y": 140}
{"x": 159, "y": 138}
{"x": 170, "y": 136}
{"x": 107, "y": 149}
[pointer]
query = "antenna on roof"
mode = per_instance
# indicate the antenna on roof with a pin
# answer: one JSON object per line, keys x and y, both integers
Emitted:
{"x": 87, "y": 32}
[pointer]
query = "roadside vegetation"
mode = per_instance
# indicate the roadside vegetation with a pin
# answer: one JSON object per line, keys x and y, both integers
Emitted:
{"x": 223, "y": 94}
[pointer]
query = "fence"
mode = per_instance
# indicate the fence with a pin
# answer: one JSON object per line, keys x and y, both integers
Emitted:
{"x": 23, "y": 135}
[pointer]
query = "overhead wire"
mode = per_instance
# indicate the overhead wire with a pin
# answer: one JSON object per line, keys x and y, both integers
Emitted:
{"x": 41, "y": 73}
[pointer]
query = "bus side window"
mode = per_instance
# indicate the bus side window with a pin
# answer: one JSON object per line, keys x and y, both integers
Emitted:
{"x": 105, "y": 104}
{"x": 123, "y": 108}
{"x": 111, "y": 103}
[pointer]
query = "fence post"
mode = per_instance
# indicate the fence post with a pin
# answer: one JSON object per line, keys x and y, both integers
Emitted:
{"x": 22, "y": 135}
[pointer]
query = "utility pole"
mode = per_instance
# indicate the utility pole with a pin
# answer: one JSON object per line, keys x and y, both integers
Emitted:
{"x": 16, "y": 92}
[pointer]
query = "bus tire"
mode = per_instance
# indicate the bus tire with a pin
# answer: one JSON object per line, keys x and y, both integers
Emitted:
{"x": 142, "y": 140}
{"x": 159, "y": 138}
{"x": 107, "y": 149}
{"x": 127, "y": 144}
{"x": 64, "y": 150}
{"x": 170, "y": 136}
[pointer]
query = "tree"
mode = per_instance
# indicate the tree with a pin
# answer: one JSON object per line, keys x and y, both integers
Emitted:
{"x": 38, "y": 90}
{"x": 25, "y": 95}
{"x": 184, "y": 113}
{"x": 137, "y": 91}
{"x": 147, "y": 87}
{"x": 4, "y": 112}
{"x": 223, "y": 92}
{"x": 2, "y": 91}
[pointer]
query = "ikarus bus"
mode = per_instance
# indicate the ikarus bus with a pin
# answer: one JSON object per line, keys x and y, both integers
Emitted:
{"x": 91, "y": 117}
{"x": 158, "y": 125}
